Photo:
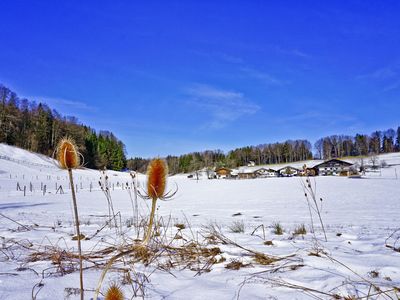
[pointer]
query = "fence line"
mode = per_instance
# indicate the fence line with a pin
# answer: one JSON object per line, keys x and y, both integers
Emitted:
{"x": 24, "y": 162}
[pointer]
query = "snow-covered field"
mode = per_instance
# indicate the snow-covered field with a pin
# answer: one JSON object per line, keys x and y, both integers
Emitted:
{"x": 37, "y": 250}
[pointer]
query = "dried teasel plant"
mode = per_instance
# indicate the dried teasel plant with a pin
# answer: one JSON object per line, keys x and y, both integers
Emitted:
{"x": 69, "y": 158}
{"x": 67, "y": 154}
{"x": 157, "y": 173}
{"x": 114, "y": 292}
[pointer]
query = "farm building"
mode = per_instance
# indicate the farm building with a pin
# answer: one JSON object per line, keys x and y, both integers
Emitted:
{"x": 333, "y": 167}
{"x": 288, "y": 171}
{"x": 223, "y": 172}
{"x": 264, "y": 173}
{"x": 252, "y": 172}
{"x": 246, "y": 174}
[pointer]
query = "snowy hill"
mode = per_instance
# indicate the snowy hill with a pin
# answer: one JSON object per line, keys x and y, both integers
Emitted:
{"x": 391, "y": 159}
{"x": 24, "y": 157}
{"x": 25, "y": 168}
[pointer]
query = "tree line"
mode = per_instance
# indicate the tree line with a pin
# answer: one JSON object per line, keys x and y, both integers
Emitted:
{"x": 38, "y": 128}
{"x": 288, "y": 151}
{"x": 333, "y": 146}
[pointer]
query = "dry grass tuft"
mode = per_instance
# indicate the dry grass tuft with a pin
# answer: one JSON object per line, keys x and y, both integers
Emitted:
{"x": 300, "y": 230}
{"x": 207, "y": 252}
{"x": 81, "y": 237}
{"x": 278, "y": 230}
{"x": 180, "y": 226}
{"x": 237, "y": 227}
{"x": 143, "y": 253}
{"x": 235, "y": 264}
{"x": 211, "y": 239}
{"x": 63, "y": 261}
{"x": 263, "y": 259}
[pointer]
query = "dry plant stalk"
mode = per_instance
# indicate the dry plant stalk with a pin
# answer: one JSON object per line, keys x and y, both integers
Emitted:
{"x": 104, "y": 185}
{"x": 311, "y": 197}
{"x": 68, "y": 158}
{"x": 156, "y": 181}
{"x": 134, "y": 202}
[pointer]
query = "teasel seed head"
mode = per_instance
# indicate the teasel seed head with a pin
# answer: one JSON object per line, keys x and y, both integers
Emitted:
{"x": 67, "y": 154}
{"x": 156, "y": 178}
{"x": 114, "y": 292}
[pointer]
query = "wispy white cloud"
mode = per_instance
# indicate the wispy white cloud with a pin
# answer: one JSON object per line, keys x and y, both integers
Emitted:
{"x": 223, "y": 106}
{"x": 231, "y": 58}
{"x": 291, "y": 52}
{"x": 387, "y": 77}
{"x": 379, "y": 74}
{"x": 393, "y": 86}
{"x": 245, "y": 69}
{"x": 318, "y": 117}
{"x": 299, "y": 53}
{"x": 263, "y": 76}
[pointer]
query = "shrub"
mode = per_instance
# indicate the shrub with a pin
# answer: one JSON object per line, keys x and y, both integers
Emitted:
{"x": 237, "y": 227}
{"x": 278, "y": 230}
{"x": 300, "y": 230}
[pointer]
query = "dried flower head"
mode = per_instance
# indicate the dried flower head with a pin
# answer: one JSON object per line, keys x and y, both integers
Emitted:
{"x": 156, "y": 178}
{"x": 67, "y": 155}
{"x": 114, "y": 292}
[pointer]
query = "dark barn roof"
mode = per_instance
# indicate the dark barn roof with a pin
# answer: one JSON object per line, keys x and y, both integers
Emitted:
{"x": 265, "y": 169}
{"x": 332, "y": 162}
{"x": 289, "y": 167}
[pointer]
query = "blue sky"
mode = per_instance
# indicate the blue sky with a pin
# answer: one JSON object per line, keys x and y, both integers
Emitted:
{"x": 174, "y": 77}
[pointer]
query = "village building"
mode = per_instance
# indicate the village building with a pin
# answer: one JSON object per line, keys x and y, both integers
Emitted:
{"x": 234, "y": 174}
{"x": 223, "y": 173}
{"x": 333, "y": 167}
{"x": 288, "y": 171}
{"x": 246, "y": 174}
{"x": 265, "y": 173}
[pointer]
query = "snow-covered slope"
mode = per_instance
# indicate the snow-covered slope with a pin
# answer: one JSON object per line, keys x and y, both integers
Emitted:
{"x": 359, "y": 216}
{"x": 23, "y": 156}
{"x": 25, "y": 168}
{"x": 390, "y": 159}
